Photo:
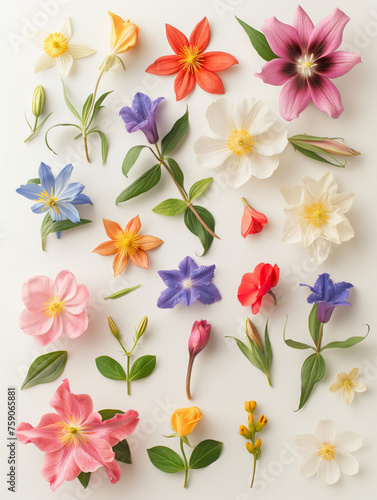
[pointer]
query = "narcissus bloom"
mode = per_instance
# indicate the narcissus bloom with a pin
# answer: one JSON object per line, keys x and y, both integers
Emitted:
{"x": 327, "y": 454}
{"x": 347, "y": 385}
{"x": 127, "y": 244}
{"x": 308, "y": 57}
{"x": 192, "y": 64}
{"x": 255, "y": 285}
{"x": 315, "y": 216}
{"x": 252, "y": 221}
{"x": 142, "y": 116}
{"x": 249, "y": 140}
{"x": 75, "y": 438}
{"x": 54, "y": 307}
{"x": 184, "y": 420}
{"x": 58, "y": 48}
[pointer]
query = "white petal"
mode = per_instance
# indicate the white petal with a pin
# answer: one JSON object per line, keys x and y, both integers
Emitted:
{"x": 292, "y": 194}
{"x": 262, "y": 167}
{"x": 358, "y": 386}
{"x": 78, "y": 50}
{"x": 38, "y": 37}
{"x": 64, "y": 63}
{"x": 353, "y": 374}
{"x": 348, "y": 394}
{"x": 220, "y": 117}
{"x": 343, "y": 201}
{"x": 65, "y": 28}
{"x": 309, "y": 465}
{"x": 348, "y": 441}
{"x": 211, "y": 152}
{"x": 336, "y": 386}
{"x": 291, "y": 231}
{"x": 347, "y": 463}
{"x": 272, "y": 141}
{"x": 306, "y": 443}
{"x": 43, "y": 61}
{"x": 318, "y": 251}
{"x": 332, "y": 234}
{"x": 253, "y": 116}
{"x": 326, "y": 185}
{"x": 328, "y": 471}
{"x": 345, "y": 230}
{"x": 238, "y": 169}
{"x": 309, "y": 233}
{"x": 325, "y": 431}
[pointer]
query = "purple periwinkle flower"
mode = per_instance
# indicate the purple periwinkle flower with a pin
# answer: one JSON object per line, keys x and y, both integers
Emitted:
{"x": 187, "y": 284}
{"x": 328, "y": 295}
{"x": 141, "y": 116}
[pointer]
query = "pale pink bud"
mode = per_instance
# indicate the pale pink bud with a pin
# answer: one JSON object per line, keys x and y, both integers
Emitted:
{"x": 199, "y": 337}
{"x": 252, "y": 333}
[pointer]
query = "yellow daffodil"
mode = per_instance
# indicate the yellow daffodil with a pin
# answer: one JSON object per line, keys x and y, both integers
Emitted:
{"x": 347, "y": 384}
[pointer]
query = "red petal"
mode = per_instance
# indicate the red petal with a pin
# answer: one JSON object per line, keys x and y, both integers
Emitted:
{"x": 166, "y": 65}
{"x": 184, "y": 83}
{"x": 218, "y": 61}
{"x": 200, "y": 35}
{"x": 209, "y": 81}
{"x": 176, "y": 39}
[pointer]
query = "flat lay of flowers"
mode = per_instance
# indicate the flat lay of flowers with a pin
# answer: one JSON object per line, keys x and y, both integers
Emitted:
{"x": 227, "y": 254}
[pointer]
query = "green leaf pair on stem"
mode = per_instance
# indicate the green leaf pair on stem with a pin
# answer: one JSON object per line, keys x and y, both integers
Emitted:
{"x": 197, "y": 218}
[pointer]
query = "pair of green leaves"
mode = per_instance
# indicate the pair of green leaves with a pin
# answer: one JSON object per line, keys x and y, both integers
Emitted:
{"x": 122, "y": 450}
{"x": 141, "y": 368}
{"x": 45, "y": 368}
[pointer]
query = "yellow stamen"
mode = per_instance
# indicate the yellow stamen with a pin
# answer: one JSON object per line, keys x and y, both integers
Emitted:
{"x": 55, "y": 44}
{"x": 49, "y": 200}
{"x": 240, "y": 142}
{"x": 187, "y": 284}
{"x": 53, "y": 306}
{"x": 191, "y": 58}
{"x": 306, "y": 65}
{"x": 316, "y": 214}
{"x": 326, "y": 451}
{"x": 127, "y": 241}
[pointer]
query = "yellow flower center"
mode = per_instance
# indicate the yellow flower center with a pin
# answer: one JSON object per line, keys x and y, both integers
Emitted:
{"x": 191, "y": 58}
{"x": 306, "y": 65}
{"x": 53, "y": 306}
{"x": 326, "y": 451}
{"x": 127, "y": 242}
{"x": 72, "y": 433}
{"x": 55, "y": 44}
{"x": 316, "y": 214}
{"x": 49, "y": 200}
{"x": 240, "y": 142}
{"x": 73, "y": 430}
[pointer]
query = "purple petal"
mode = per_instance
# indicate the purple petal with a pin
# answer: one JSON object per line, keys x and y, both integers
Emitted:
{"x": 303, "y": 25}
{"x": 208, "y": 294}
{"x": 277, "y": 71}
{"x": 47, "y": 178}
{"x": 172, "y": 279}
{"x": 340, "y": 294}
{"x": 283, "y": 39}
{"x": 327, "y": 35}
{"x": 325, "y": 96}
{"x": 203, "y": 275}
{"x": 337, "y": 64}
{"x": 294, "y": 98}
{"x": 142, "y": 104}
{"x": 170, "y": 297}
{"x": 187, "y": 266}
{"x": 324, "y": 312}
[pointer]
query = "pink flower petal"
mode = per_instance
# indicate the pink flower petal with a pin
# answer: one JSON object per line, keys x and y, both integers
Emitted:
{"x": 114, "y": 429}
{"x": 304, "y": 26}
{"x": 66, "y": 285}
{"x": 79, "y": 301}
{"x": 71, "y": 407}
{"x": 35, "y": 322}
{"x": 337, "y": 64}
{"x": 92, "y": 453}
{"x": 52, "y": 334}
{"x": 327, "y": 35}
{"x": 74, "y": 325}
{"x": 277, "y": 71}
{"x": 326, "y": 96}
{"x": 294, "y": 98}
{"x": 36, "y": 290}
{"x": 283, "y": 39}
{"x": 45, "y": 435}
{"x": 60, "y": 466}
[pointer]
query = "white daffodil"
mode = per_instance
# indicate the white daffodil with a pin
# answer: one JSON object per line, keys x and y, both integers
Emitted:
{"x": 347, "y": 384}
{"x": 315, "y": 216}
{"x": 248, "y": 143}
{"x": 58, "y": 49}
{"x": 327, "y": 453}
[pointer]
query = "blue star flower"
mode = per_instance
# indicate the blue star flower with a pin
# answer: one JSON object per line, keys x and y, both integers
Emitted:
{"x": 141, "y": 116}
{"x": 187, "y": 284}
{"x": 328, "y": 295}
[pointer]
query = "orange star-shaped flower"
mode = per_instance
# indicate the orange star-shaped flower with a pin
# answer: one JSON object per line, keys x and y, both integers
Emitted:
{"x": 192, "y": 64}
{"x": 127, "y": 243}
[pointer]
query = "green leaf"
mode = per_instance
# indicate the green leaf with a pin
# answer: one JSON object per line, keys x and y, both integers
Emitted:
{"x": 143, "y": 184}
{"x": 258, "y": 41}
{"x": 130, "y": 158}
{"x": 314, "y": 324}
{"x": 109, "y": 413}
{"x": 48, "y": 226}
{"x": 196, "y": 227}
{"x": 86, "y": 108}
{"x": 45, "y": 368}
{"x": 346, "y": 343}
{"x": 84, "y": 478}
{"x": 97, "y": 106}
{"x": 121, "y": 293}
{"x": 268, "y": 348}
{"x": 170, "y": 207}
{"x": 199, "y": 187}
{"x": 69, "y": 104}
{"x": 142, "y": 367}
{"x": 59, "y": 125}
{"x": 176, "y": 134}
{"x": 313, "y": 370}
{"x": 315, "y": 156}
{"x": 205, "y": 453}
{"x": 165, "y": 459}
{"x": 177, "y": 172}
{"x": 248, "y": 353}
{"x": 110, "y": 368}
{"x": 36, "y": 180}
{"x": 104, "y": 144}
{"x": 122, "y": 452}
{"x": 293, "y": 343}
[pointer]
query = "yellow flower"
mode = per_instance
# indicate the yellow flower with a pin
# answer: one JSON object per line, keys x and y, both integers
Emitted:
{"x": 184, "y": 420}
{"x": 347, "y": 384}
{"x": 250, "y": 406}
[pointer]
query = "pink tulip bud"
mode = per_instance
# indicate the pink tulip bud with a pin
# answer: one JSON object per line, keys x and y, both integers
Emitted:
{"x": 252, "y": 221}
{"x": 253, "y": 333}
{"x": 199, "y": 337}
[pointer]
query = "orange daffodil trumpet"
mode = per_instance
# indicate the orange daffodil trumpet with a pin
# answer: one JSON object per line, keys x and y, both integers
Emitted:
{"x": 127, "y": 244}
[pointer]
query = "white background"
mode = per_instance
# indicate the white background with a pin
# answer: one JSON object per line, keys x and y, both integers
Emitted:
{"x": 222, "y": 377}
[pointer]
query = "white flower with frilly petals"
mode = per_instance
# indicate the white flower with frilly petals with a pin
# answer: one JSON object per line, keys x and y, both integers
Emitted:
{"x": 58, "y": 49}
{"x": 315, "y": 216}
{"x": 248, "y": 143}
{"x": 327, "y": 454}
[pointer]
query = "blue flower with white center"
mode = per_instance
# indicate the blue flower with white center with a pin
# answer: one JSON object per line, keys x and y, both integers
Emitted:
{"x": 56, "y": 196}
{"x": 187, "y": 284}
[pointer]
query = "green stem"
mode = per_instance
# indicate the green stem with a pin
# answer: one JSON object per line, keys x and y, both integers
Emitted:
{"x": 254, "y": 467}
{"x": 83, "y": 128}
{"x": 269, "y": 379}
{"x": 320, "y": 338}
{"x": 33, "y": 131}
{"x": 128, "y": 374}
{"x": 185, "y": 462}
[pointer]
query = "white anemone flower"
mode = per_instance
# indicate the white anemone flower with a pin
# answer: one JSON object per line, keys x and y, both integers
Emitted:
{"x": 249, "y": 140}
{"x": 328, "y": 454}
{"x": 315, "y": 216}
{"x": 347, "y": 385}
{"x": 58, "y": 48}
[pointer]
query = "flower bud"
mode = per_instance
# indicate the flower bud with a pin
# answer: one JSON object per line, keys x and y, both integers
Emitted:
{"x": 258, "y": 444}
{"x": 252, "y": 221}
{"x": 322, "y": 145}
{"x": 243, "y": 431}
{"x": 250, "y": 448}
{"x": 250, "y": 418}
{"x": 250, "y": 406}
{"x": 141, "y": 328}
{"x": 262, "y": 421}
{"x": 113, "y": 328}
{"x": 38, "y": 101}
{"x": 253, "y": 334}
{"x": 199, "y": 337}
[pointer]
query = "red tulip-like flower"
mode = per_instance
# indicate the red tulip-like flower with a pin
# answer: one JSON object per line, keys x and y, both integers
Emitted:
{"x": 254, "y": 286}
{"x": 252, "y": 221}
{"x": 192, "y": 64}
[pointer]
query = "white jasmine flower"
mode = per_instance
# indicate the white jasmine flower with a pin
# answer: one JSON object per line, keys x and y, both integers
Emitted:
{"x": 347, "y": 384}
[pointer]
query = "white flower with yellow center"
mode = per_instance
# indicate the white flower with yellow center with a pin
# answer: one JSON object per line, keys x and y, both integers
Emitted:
{"x": 58, "y": 49}
{"x": 347, "y": 384}
{"x": 248, "y": 143}
{"x": 315, "y": 216}
{"x": 327, "y": 454}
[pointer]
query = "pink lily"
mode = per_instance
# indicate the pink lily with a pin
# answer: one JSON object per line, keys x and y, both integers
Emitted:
{"x": 75, "y": 438}
{"x": 307, "y": 58}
